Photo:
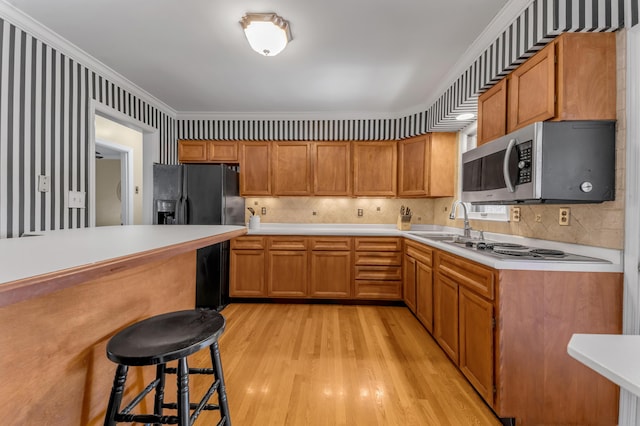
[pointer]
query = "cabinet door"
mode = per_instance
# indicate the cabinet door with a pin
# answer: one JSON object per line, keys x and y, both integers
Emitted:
{"x": 192, "y": 151}
{"x": 255, "y": 169}
{"x": 291, "y": 165}
{"x": 532, "y": 89}
{"x": 287, "y": 276}
{"x": 222, "y": 152}
{"x": 247, "y": 273}
{"x": 476, "y": 342}
{"x": 375, "y": 169}
{"x": 443, "y": 157}
{"x": 332, "y": 168}
{"x": 331, "y": 274}
{"x": 409, "y": 288}
{"x": 445, "y": 310}
{"x": 413, "y": 166}
{"x": 424, "y": 295}
{"x": 492, "y": 113}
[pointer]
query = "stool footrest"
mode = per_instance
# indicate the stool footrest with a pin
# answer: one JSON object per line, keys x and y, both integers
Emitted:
{"x": 147, "y": 418}
{"x": 192, "y": 406}
{"x": 172, "y": 370}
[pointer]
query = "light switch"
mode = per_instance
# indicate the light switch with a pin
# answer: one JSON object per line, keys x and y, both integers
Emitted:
{"x": 43, "y": 183}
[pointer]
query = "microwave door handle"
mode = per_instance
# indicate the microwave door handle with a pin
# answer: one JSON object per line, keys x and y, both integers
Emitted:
{"x": 505, "y": 166}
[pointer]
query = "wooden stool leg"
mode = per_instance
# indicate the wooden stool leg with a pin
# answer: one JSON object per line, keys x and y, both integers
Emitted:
{"x": 222, "y": 392}
{"x": 183, "y": 392}
{"x": 115, "y": 399}
{"x": 159, "y": 400}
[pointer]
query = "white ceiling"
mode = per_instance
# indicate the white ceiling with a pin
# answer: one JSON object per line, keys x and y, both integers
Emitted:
{"x": 347, "y": 56}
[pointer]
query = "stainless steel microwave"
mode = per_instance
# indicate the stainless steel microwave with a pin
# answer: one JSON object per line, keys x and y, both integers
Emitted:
{"x": 545, "y": 162}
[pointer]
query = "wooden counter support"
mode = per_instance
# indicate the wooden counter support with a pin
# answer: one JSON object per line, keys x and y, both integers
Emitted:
{"x": 53, "y": 367}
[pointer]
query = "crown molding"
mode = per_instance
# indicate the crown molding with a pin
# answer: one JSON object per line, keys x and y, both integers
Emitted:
{"x": 26, "y": 23}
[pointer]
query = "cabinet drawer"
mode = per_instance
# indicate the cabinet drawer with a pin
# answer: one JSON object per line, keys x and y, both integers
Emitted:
{"x": 248, "y": 243}
{"x": 378, "y": 273}
{"x": 288, "y": 243}
{"x": 387, "y": 290}
{"x": 378, "y": 244}
{"x": 419, "y": 252}
{"x": 379, "y": 258}
{"x": 331, "y": 243}
{"x": 476, "y": 277}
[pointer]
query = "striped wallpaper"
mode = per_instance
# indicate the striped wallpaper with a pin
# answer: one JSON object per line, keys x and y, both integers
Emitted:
{"x": 45, "y": 97}
{"x": 536, "y": 26}
{"x": 44, "y": 129}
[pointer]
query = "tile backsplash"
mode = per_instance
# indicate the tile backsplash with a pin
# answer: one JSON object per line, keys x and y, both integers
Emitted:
{"x": 339, "y": 210}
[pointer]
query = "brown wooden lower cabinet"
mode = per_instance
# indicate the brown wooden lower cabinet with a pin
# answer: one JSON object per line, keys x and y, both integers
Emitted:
{"x": 287, "y": 273}
{"x": 316, "y": 267}
{"x": 445, "y": 315}
{"x": 331, "y": 274}
{"x": 378, "y": 268}
{"x": 507, "y": 331}
{"x": 475, "y": 316}
{"x": 247, "y": 269}
{"x": 418, "y": 282}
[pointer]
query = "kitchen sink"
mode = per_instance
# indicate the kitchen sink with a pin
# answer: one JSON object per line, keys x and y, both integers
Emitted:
{"x": 438, "y": 236}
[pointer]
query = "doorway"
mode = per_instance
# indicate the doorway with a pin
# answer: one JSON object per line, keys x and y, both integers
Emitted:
{"x": 136, "y": 158}
{"x": 114, "y": 184}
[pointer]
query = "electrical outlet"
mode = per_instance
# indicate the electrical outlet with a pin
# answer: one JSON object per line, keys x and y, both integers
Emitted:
{"x": 564, "y": 216}
{"x": 263, "y": 211}
{"x": 76, "y": 200}
{"x": 360, "y": 213}
{"x": 538, "y": 217}
{"x": 515, "y": 214}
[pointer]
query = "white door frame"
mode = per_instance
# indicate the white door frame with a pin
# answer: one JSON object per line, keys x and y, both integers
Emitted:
{"x": 629, "y": 404}
{"x": 150, "y": 155}
{"x": 126, "y": 178}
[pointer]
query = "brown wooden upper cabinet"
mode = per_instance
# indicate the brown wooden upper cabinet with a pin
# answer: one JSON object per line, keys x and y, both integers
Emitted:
{"x": 332, "y": 168}
{"x": 492, "y": 113}
{"x": 292, "y": 168}
{"x": 206, "y": 151}
{"x": 572, "y": 78}
{"x": 426, "y": 165}
{"x": 255, "y": 169}
{"x": 375, "y": 169}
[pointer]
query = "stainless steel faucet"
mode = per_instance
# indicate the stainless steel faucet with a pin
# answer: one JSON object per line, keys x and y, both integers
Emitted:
{"x": 454, "y": 207}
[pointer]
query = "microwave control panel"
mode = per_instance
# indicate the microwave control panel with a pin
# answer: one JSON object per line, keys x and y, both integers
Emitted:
{"x": 525, "y": 154}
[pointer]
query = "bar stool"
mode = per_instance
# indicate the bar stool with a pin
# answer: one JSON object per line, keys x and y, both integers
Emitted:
{"x": 156, "y": 341}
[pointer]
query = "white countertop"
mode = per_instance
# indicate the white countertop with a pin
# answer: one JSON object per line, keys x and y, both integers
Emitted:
{"x": 615, "y": 356}
{"x": 612, "y": 258}
{"x": 53, "y": 251}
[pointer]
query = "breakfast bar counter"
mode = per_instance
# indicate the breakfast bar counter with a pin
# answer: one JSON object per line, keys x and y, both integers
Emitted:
{"x": 64, "y": 294}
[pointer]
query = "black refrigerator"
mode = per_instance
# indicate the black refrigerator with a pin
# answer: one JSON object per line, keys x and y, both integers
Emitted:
{"x": 201, "y": 194}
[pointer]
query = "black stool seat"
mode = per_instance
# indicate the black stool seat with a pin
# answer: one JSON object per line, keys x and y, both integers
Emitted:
{"x": 165, "y": 337}
{"x": 159, "y": 340}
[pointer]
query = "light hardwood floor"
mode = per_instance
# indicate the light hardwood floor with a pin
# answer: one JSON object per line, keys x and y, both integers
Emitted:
{"x": 303, "y": 364}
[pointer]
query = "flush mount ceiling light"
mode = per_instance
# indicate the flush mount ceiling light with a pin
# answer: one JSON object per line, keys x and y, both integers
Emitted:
{"x": 267, "y": 33}
{"x": 465, "y": 116}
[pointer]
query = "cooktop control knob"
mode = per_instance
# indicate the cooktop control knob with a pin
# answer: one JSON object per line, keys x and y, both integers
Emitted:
{"x": 586, "y": 186}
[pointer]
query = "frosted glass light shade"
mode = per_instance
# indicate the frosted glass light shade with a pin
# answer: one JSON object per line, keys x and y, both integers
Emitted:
{"x": 267, "y": 33}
